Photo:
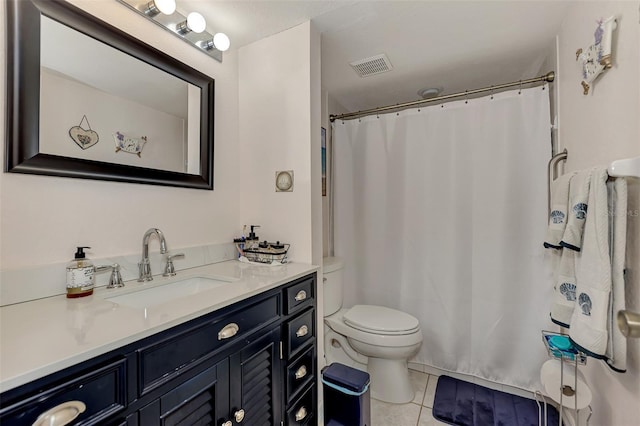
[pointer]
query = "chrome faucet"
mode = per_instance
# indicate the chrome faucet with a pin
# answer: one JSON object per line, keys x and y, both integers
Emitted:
{"x": 144, "y": 266}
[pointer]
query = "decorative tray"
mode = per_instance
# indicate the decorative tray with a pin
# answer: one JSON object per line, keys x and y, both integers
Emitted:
{"x": 264, "y": 252}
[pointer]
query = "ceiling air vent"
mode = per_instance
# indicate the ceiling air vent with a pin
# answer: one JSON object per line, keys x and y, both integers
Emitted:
{"x": 371, "y": 66}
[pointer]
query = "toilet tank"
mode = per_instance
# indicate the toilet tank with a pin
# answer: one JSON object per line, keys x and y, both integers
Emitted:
{"x": 332, "y": 284}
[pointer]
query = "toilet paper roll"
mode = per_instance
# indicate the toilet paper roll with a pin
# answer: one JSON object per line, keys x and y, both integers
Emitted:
{"x": 551, "y": 379}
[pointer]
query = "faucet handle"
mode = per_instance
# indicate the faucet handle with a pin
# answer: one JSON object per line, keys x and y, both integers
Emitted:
{"x": 169, "y": 269}
{"x": 115, "y": 280}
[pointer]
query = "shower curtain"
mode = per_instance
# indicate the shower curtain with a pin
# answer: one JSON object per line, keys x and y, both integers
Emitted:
{"x": 440, "y": 212}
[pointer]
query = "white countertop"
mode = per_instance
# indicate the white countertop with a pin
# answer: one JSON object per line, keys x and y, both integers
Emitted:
{"x": 43, "y": 336}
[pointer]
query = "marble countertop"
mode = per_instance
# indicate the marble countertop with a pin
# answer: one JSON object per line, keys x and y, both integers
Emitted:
{"x": 43, "y": 336}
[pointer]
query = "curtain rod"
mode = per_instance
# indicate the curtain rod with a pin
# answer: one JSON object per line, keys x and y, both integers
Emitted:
{"x": 547, "y": 78}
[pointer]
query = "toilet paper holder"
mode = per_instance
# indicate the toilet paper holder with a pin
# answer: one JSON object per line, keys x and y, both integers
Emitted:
{"x": 560, "y": 347}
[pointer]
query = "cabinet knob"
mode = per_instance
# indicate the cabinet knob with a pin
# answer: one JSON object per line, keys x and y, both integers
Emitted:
{"x": 301, "y": 414}
{"x": 228, "y": 331}
{"x": 302, "y": 331}
{"x": 61, "y": 415}
{"x": 239, "y": 415}
{"x": 301, "y": 295}
{"x": 301, "y": 372}
{"x": 227, "y": 423}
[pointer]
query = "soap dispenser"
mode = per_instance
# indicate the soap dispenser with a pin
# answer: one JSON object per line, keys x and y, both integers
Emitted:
{"x": 252, "y": 239}
{"x": 80, "y": 275}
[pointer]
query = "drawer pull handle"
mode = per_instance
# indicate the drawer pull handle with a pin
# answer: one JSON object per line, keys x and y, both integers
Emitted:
{"x": 228, "y": 331}
{"x": 301, "y": 414}
{"x": 302, "y": 331}
{"x": 61, "y": 415}
{"x": 301, "y": 372}
{"x": 227, "y": 423}
{"x": 239, "y": 415}
{"x": 301, "y": 296}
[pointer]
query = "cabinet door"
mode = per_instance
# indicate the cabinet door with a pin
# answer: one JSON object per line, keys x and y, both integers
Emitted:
{"x": 201, "y": 400}
{"x": 256, "y": 382}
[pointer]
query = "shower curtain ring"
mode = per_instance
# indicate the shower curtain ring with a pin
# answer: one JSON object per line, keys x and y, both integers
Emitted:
{"x": 466, "y": 100}
{"x": 491, "y": 92}
{"x": 520, "y": 91}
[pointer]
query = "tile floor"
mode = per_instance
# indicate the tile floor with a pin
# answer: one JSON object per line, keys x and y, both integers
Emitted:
{"x": 415, "y": 413}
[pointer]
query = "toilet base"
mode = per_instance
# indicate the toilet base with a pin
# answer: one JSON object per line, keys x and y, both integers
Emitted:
{"x": 390, "y": 380}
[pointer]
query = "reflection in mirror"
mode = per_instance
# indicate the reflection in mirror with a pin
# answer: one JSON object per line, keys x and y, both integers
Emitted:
{"x": 86, "y": 100}
{"x": 118, "y": 109}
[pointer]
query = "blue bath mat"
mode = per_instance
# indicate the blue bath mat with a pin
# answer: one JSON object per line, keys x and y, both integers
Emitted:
{"x": 465, "y": 404}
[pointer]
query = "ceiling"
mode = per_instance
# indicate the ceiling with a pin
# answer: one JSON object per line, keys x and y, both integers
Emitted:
{"x": 456, "y": 45}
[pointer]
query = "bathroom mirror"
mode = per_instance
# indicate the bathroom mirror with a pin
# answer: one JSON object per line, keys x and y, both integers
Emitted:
{"x": 86, "y": 100}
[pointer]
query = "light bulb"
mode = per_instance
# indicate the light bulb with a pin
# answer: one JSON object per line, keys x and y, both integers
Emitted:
{"x": 221, "y": 41}
{"x": 166, "y": 6}
{"x": 196, "y": 22}
{"x": 154, "y": 7}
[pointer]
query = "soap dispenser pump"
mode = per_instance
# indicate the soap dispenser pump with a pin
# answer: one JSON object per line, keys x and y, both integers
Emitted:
{"x": 80, "y": 275}
{"x": 252, "y": 239}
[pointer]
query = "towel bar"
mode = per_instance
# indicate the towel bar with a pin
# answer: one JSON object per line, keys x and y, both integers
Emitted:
{"x": 552, "y": 174}
{"x": 629, "y": 167}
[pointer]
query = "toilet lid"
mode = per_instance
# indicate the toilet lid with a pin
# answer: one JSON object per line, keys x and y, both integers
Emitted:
{"x": 380, "y": 320}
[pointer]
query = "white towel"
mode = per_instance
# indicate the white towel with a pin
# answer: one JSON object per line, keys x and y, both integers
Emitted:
{"x": 564, "y": 295}
{"x": 558, "y": 213}
{"x": 589, "y": 323}
{"x": 617, "y": 348}
{"x": 578, "y": 204}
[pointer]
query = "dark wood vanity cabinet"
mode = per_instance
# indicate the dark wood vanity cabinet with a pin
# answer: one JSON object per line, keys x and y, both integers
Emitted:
{"x": 252, "y": 363}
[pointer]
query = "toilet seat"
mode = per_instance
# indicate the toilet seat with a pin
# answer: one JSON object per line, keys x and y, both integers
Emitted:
{"x": 380, "y": 320}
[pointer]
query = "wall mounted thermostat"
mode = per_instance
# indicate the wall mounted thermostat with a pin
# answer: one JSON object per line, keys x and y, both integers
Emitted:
{"x": 284, "y": 181}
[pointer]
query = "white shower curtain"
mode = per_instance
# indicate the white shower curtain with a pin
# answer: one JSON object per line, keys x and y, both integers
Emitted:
{"x": 440, "y": 212}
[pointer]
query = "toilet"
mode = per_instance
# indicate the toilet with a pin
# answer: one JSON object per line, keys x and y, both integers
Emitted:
{"x": 380, "y": 337}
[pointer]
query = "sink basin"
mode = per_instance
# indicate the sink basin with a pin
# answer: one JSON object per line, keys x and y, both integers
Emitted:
{"x": 152, "y": 296}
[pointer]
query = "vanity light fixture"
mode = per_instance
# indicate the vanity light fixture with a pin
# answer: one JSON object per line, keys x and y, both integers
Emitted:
{"x": 155, "y": 7}
{"x": 190, "y": 28}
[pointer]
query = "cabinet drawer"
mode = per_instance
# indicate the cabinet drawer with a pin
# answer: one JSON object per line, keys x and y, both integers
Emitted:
{"x": 93, "y": 396}
{"x": 303, "y": 411}
{"x": 301, "y": 372}
{"x": 299, "y": 295}
{"x": 166, "y": 359}
{"x": 299, "y": 332}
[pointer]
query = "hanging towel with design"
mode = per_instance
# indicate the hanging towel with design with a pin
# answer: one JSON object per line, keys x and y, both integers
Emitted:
{"x": 589, "y": 323}
{"x": 577, "y": 214}
{"x": 564, "y": 294}
{"x": 558, "y": 213}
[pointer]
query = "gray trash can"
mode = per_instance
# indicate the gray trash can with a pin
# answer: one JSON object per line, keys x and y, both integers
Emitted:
{"x": 346, "y": 396}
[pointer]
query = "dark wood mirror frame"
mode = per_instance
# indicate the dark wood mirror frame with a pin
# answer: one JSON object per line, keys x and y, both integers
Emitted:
{"x": 23, "y": 98}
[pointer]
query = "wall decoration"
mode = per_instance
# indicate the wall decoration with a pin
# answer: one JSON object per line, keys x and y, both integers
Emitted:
{"x": 597, "y": 58}
{"x": 82, "y": 137}
{"x": 129, "y": 144}
{"x": 284, "y": 181}
{"x": 323, "y": 147}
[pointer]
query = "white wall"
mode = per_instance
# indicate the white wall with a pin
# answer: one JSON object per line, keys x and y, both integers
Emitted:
{"x": 330, "y": 106}
{"x": 596, "y": 129}
{"x": 43, "y": 218}
{"x": 280, "y": 130}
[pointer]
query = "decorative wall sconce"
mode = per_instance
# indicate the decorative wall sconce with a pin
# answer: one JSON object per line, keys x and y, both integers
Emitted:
{"x": 191, "y": 28}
